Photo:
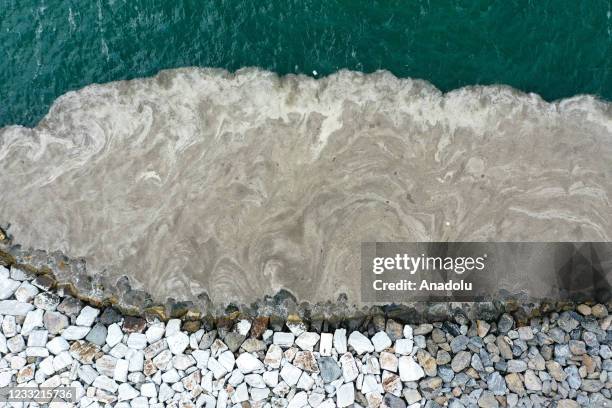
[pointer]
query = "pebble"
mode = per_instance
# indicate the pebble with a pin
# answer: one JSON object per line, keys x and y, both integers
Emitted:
{"x": 409, "y": 370}
{"x": 360, "y": 343}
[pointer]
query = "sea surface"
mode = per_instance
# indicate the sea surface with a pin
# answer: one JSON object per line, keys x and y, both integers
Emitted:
{"x": 556, "y": 48}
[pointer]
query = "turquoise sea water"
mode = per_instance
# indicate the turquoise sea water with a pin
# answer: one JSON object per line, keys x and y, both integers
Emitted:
{"x": 555, "y": 48}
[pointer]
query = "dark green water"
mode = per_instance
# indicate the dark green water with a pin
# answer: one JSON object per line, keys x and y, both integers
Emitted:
{"x": 555, "y": 48}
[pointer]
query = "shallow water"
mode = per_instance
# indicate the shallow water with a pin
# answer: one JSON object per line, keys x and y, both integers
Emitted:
{"x": 239, "y": 185}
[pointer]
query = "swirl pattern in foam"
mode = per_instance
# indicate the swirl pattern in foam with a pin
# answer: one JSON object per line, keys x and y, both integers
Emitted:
{"x": 241, "y": 184}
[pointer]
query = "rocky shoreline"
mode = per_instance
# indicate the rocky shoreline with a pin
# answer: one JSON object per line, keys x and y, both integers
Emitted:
{"x": 49, "y": 338}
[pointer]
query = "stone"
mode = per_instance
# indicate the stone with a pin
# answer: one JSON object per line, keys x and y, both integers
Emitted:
{"x": 233, "y": 341}
{"x": 326, "y": 344}
{"x": 32, "y": 320}
{"x": 299, "y": 400}
{"x": 46, "y": 301}
{"x": 307, "y": 340}
{"x": 138, "y": 341}
{"x": 55, "y": 322}
{"x": 404, "y": 346}
{"x": 97, "y": 335}
{"x": 516, "y": 366}
{"x": 340, "y": 343}
{"x": 248, "y": 363}
{"x": 459, "y": 343}
{"x": 290, "y": 374}
{"x": 496, "y": 383}
{"x": 388, "y": 361}
{"x": 178, "y": 342}
{"x": 87, "y": 316}
{"x": 515, "y": 384}
{"x": 105, "y": 383}
{"x": 114, "y": 335}
{"x": 567, "y": 322}
{"x": 329, "y": 369}
{"x": 15, "y": 308}
{"x": 273, "y": 356}
{"x": 75, "y": 332}
{"x": 381, "y": 341}
{"x": 283, "y": 339}
{"x": 409, "y": 370}
{"x": 360, "y": 343}
{"x": 305, "y": 360}
{"x": 461, "y": 361}
{"x": 38, "y": 338}
{"x": 532, "y": 381}
{"x": 487, "y": 400}
{"x": 121, "y": 370}
{"x": 8, "y": 287}
{"x": 345, "y": 395}
{"x": 599, "y": 311}
{"x": 25, "y": 292}
{"x": 505, "y": 323}
{"x": 482, "y": 328}
{"x": 350, "y": 372}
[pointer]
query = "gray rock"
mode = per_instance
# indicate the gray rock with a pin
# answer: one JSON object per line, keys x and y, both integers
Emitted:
{"x": 329, "y": 369}
{"x": 496, "y": 383}
{"x": 567, "y": 322}
{"x": 505, "y": 323}
{"x": 97, "y": 335}
{"x": 46, "y": 301}
{"x": 459, "y": 343}
{"x": 461, "y": 361}
{"x": 391, "y": 401}
{"x": 55, "y": 322}
{"x": 516, "y": 366}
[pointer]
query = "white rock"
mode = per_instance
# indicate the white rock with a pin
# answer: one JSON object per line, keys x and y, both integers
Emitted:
{"x": 87, "y": 374}
{"x": 15, "y": 308}
{"x": 105, "y": 365}
{"x": 37, "y": 352}
{"x": 16, "y": 344}
{"x": 326, "y": 344}
{"x": 173, "y": 327}
{"x": 162, "y": 360}
{"x": 381, "y": 341}
{"x": 26, "y": 292}
{"x": 345, "y": 395}
{"x": 404, "y": 346}
{"x": 38, "y": 338}
{"x": 9, "y": 326}
{"x": 178, "y": 342}
{"x": 8, "y": 287}
{"x": 290, "y": 374}
{"x": 340, "y": 341}
{"x": 182, "y": 362}
{"x": 408, "y": 332}
{"x": 32, "y": 320}
{"x": 299, "y": 400}
{"x": 135, "y": 360}
{"x": 119, "y": 351}
{"x": 155, "y": 332}
{"x": 247, "y": 363}
{"x": 243, "y": 327}
{"x": 62, "y": 360}
{"x": 6, "y": 378}
{"x": 140, "y": 402}
{"x": 307, "y": 340}
{"x": 255, "y": 380}
{"x": 114, "y": 335}
{"x": 149, "y": 390}
{"x": 46, "y": 366}
{"x": 87, "y": 316}
{"x": 273, "y": 356}
{"x": 75, "y": 332}
{"x": 388, "y": 361}
{"x": 171, "y": 376}
{"x": 137, "y": 341}
{"x": 283, "y": 339}
{"x": 126, "y": 392}
{"x": 360, "y": 343}
{"x": 409, "y": 369}
{"x": 259, "y": 394}
{"x": 235, "y": 378}
{"x": 371, "y": 385}
{"x": 121, "y": 370}
{"x": 227, "y": 360}
{"x": 217, "y": 369}
{"x": 305, "y": 382}
{"x": 201, "y": 357}
{"x": 241, "y": 394}
{"x": 315, "y": 399}
{"x": 105, "y": 383}
{"x": 349, "y": 367}
{"x": 165, "y": 392}
{"x": 271, "y": 378}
